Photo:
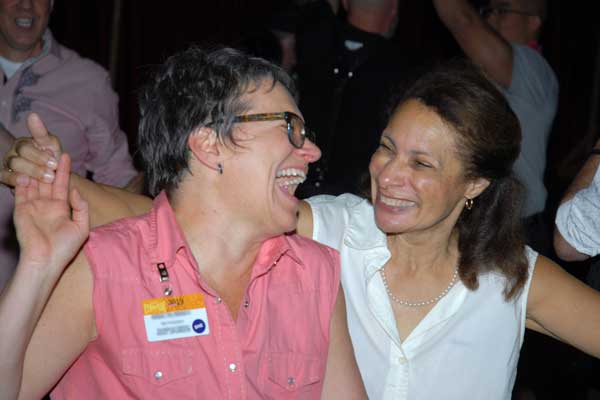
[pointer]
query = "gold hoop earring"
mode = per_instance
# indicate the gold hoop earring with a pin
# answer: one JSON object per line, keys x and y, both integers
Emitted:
{"x": 469, "y": 204}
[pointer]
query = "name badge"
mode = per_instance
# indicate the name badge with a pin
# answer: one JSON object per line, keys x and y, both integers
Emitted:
{"x": 175, "y": 317}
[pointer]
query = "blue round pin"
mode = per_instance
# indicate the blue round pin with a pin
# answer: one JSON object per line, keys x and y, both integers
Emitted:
{"x": 198, "y": 326}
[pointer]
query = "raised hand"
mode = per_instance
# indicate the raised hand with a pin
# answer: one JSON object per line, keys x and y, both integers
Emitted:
{"x": 51, "y": 223}
{"x": 36, "y": 156}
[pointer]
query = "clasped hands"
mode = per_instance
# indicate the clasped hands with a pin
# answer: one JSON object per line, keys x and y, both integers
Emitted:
{"x": 36, "y": 156}
{"x": 51, "y": 221}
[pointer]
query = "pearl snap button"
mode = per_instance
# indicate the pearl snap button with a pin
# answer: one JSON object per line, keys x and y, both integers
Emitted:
{"x": 158, "y": 375}
{"x": 232, "y": 367}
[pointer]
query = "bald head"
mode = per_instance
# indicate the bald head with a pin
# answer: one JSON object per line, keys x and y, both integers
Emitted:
{"x": 371, "y": 5}
{"x": 537, "y": 7}
{"x": 375, "y": 16}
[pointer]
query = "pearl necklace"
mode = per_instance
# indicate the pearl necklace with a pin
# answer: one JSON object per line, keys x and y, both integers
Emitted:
{"x": 418, "y": 303}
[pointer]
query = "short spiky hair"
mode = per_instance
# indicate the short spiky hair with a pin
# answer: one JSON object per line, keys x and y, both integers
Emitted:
{"x": 193, "y": 89}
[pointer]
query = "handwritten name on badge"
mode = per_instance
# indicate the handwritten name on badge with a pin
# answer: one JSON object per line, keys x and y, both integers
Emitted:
{"x": 175, "y": 317}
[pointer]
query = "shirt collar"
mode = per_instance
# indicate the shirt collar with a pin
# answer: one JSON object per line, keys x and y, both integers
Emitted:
{"x": 166, "y": 238}
{"x": 362, "y": 233}
{"x": 271, "y": 252}
{"x": 49, "y": 48}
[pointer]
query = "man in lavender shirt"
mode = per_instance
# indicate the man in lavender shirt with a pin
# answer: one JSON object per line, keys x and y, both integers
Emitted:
{"x": 71, "y": 94}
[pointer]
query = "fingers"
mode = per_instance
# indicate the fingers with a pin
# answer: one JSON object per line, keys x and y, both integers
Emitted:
{"x": 80, "y": 212}
{"x": 27, "y": 159}
{"x": 21, "y": 189}
{"x": 32, "y": 152}
{"x": 36, "y": 157}
{"x": 33, "y": 191}
{"x": 60, "y": 188}
{"x": 9, "y": 178}
{"x": 42, "y": 137}
{"x": 45, "y": 190}
{"x": 26, "y": 167}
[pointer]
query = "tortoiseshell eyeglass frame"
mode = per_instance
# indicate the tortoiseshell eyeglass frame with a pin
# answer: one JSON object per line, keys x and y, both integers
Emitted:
{"x": 296, "y": 138}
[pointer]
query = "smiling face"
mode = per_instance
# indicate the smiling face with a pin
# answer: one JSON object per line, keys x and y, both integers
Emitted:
{"x": 417, "y": 180}
{"x": 264, "y": 170}
{"x": 22, "y": 24}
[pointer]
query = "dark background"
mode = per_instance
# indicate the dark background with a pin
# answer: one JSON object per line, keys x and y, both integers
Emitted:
{"x": 128, "y": 36}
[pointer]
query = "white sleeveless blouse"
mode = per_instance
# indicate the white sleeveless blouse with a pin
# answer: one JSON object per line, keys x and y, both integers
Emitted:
{"x": 466, "y": 347}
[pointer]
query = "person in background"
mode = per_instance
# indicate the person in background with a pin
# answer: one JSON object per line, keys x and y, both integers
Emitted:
{"x": 206, "y": 295}
{"x": 347, "y": 69}
{"x": 72, "y": 94}
{"x": 577, "y": 238}
{"x": 292, "y": 18}
{"x": 577, "y": 232}
{"x": 503, "y": 40}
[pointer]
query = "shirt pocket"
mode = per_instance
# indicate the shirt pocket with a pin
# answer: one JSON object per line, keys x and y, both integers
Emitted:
{"x": 156, "y": 367}
{"x": 294, "y": 376}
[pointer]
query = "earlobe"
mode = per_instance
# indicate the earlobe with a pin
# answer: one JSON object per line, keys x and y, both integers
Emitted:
{"x": 204, "y": 146}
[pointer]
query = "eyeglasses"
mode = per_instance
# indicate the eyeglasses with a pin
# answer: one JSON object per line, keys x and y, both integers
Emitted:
{"x": 296, "y": 130}
{"x": 488, "y": 11}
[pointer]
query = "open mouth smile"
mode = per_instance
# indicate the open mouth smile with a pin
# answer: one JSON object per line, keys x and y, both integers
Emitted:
{"x": 396, "y": 203}
{"x": 288, "y": 179}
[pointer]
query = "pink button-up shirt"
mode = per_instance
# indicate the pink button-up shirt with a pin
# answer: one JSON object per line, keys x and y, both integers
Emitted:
{"x": 74, "y": 98}
{"x": 277, "y": 347}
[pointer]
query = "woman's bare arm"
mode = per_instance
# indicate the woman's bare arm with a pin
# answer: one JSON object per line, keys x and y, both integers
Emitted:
{"x": 109, "y": 203}
{"x": 37, "y": 157}
{"x": 342, "y": 378}
{"x": 564, "y": 307}
{"x": 46, "y": 310}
